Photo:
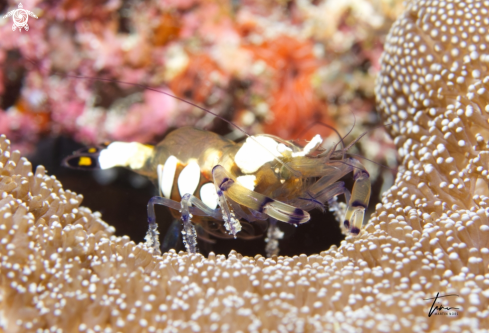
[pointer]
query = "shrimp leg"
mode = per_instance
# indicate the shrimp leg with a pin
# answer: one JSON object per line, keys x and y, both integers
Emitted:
{"x": 170, "y": 241}
{"x": 357, "y": 202}
{"x": 227, "y": 187}
{"x": 360, "y": 196}
{"x": 187, "y": 211}
{"x": 318, "y": 197}
{"x": 273, "y": 235}
{"x": 329, "y": 187}
{"x": 189, "y": 234}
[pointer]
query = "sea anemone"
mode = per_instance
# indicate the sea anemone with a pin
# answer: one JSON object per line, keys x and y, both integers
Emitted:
{"x": 63, "y": 269}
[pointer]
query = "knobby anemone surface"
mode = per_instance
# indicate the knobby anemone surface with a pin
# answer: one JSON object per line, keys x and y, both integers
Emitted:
{"x": 63, "y": 270}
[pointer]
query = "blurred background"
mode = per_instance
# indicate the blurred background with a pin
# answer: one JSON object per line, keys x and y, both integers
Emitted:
{"x": 271, "y": 66}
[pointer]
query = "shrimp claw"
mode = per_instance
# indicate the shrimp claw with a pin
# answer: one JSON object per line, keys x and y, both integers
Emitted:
{"x": 227, "y": 187}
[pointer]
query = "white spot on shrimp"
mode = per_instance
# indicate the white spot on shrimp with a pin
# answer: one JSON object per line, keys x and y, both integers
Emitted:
{"x": 189, "y": 178}
{"x": 208, "y": 195}
{"x": 159, "y": 171}
{"x": 311, "y": 146}
{"x": 167, "y": 176}
{"x": 247, "y": 181}
{"x": 255, "y": 152}
{"x": 117, "y": 154}
{"x": 281, "y": 148}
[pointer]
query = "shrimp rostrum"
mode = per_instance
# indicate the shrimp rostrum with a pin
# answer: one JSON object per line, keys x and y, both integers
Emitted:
{"x": 202, "y": 175}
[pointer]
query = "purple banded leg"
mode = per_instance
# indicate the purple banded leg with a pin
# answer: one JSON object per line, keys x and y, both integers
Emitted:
{"x": 231, "y": 223}
{"x": 188, "y": 232}
{"x": 326, "y": 193}
{"x": 227, "y": 188}
{"x": 329, "y": 195}
{"x": 152, "y": 236}
{"x": 360, "y": 197}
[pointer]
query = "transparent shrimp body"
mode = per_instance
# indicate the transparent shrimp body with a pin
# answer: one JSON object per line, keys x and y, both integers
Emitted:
{"x": 203, "y": 176}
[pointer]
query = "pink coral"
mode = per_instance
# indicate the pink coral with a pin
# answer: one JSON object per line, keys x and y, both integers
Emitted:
{"x": 145, "y": 121}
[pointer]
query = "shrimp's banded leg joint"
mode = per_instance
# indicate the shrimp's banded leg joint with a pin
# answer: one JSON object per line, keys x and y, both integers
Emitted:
{"x": 223, "y": 183}
{"x": 227, "y": 188}
{"x": 360, "y": 196}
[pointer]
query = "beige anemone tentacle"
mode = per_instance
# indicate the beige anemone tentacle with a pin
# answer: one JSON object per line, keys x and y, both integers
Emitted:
{"x": 63, "y": 270}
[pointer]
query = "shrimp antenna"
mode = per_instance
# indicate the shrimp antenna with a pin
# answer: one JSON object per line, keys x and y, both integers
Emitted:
{"x": 363, "y": 134}
{"x": 345, "y": 149}
{"x": 185, "y": 101}
{"x": 158, "y": 91}
{"x": 325, "y": 125}
{"x": 363, "y": 157}
{"x": 351, "y": 129}
{"x": 379, "y": 164}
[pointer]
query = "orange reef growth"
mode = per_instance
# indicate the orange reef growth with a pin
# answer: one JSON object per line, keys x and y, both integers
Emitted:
{"x": 293, "y": 102}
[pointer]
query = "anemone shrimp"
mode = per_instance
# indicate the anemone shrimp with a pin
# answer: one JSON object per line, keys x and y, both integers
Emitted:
{"x": 204, "y": 177}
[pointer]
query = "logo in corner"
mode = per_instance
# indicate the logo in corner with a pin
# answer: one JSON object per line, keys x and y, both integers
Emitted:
{"x": 440, "y": 309}
{"x": 20, "y": 17}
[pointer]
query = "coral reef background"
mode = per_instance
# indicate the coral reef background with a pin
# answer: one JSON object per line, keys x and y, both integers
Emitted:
{"x": 269, "y": 66}
{"x": 62, "y": 268}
